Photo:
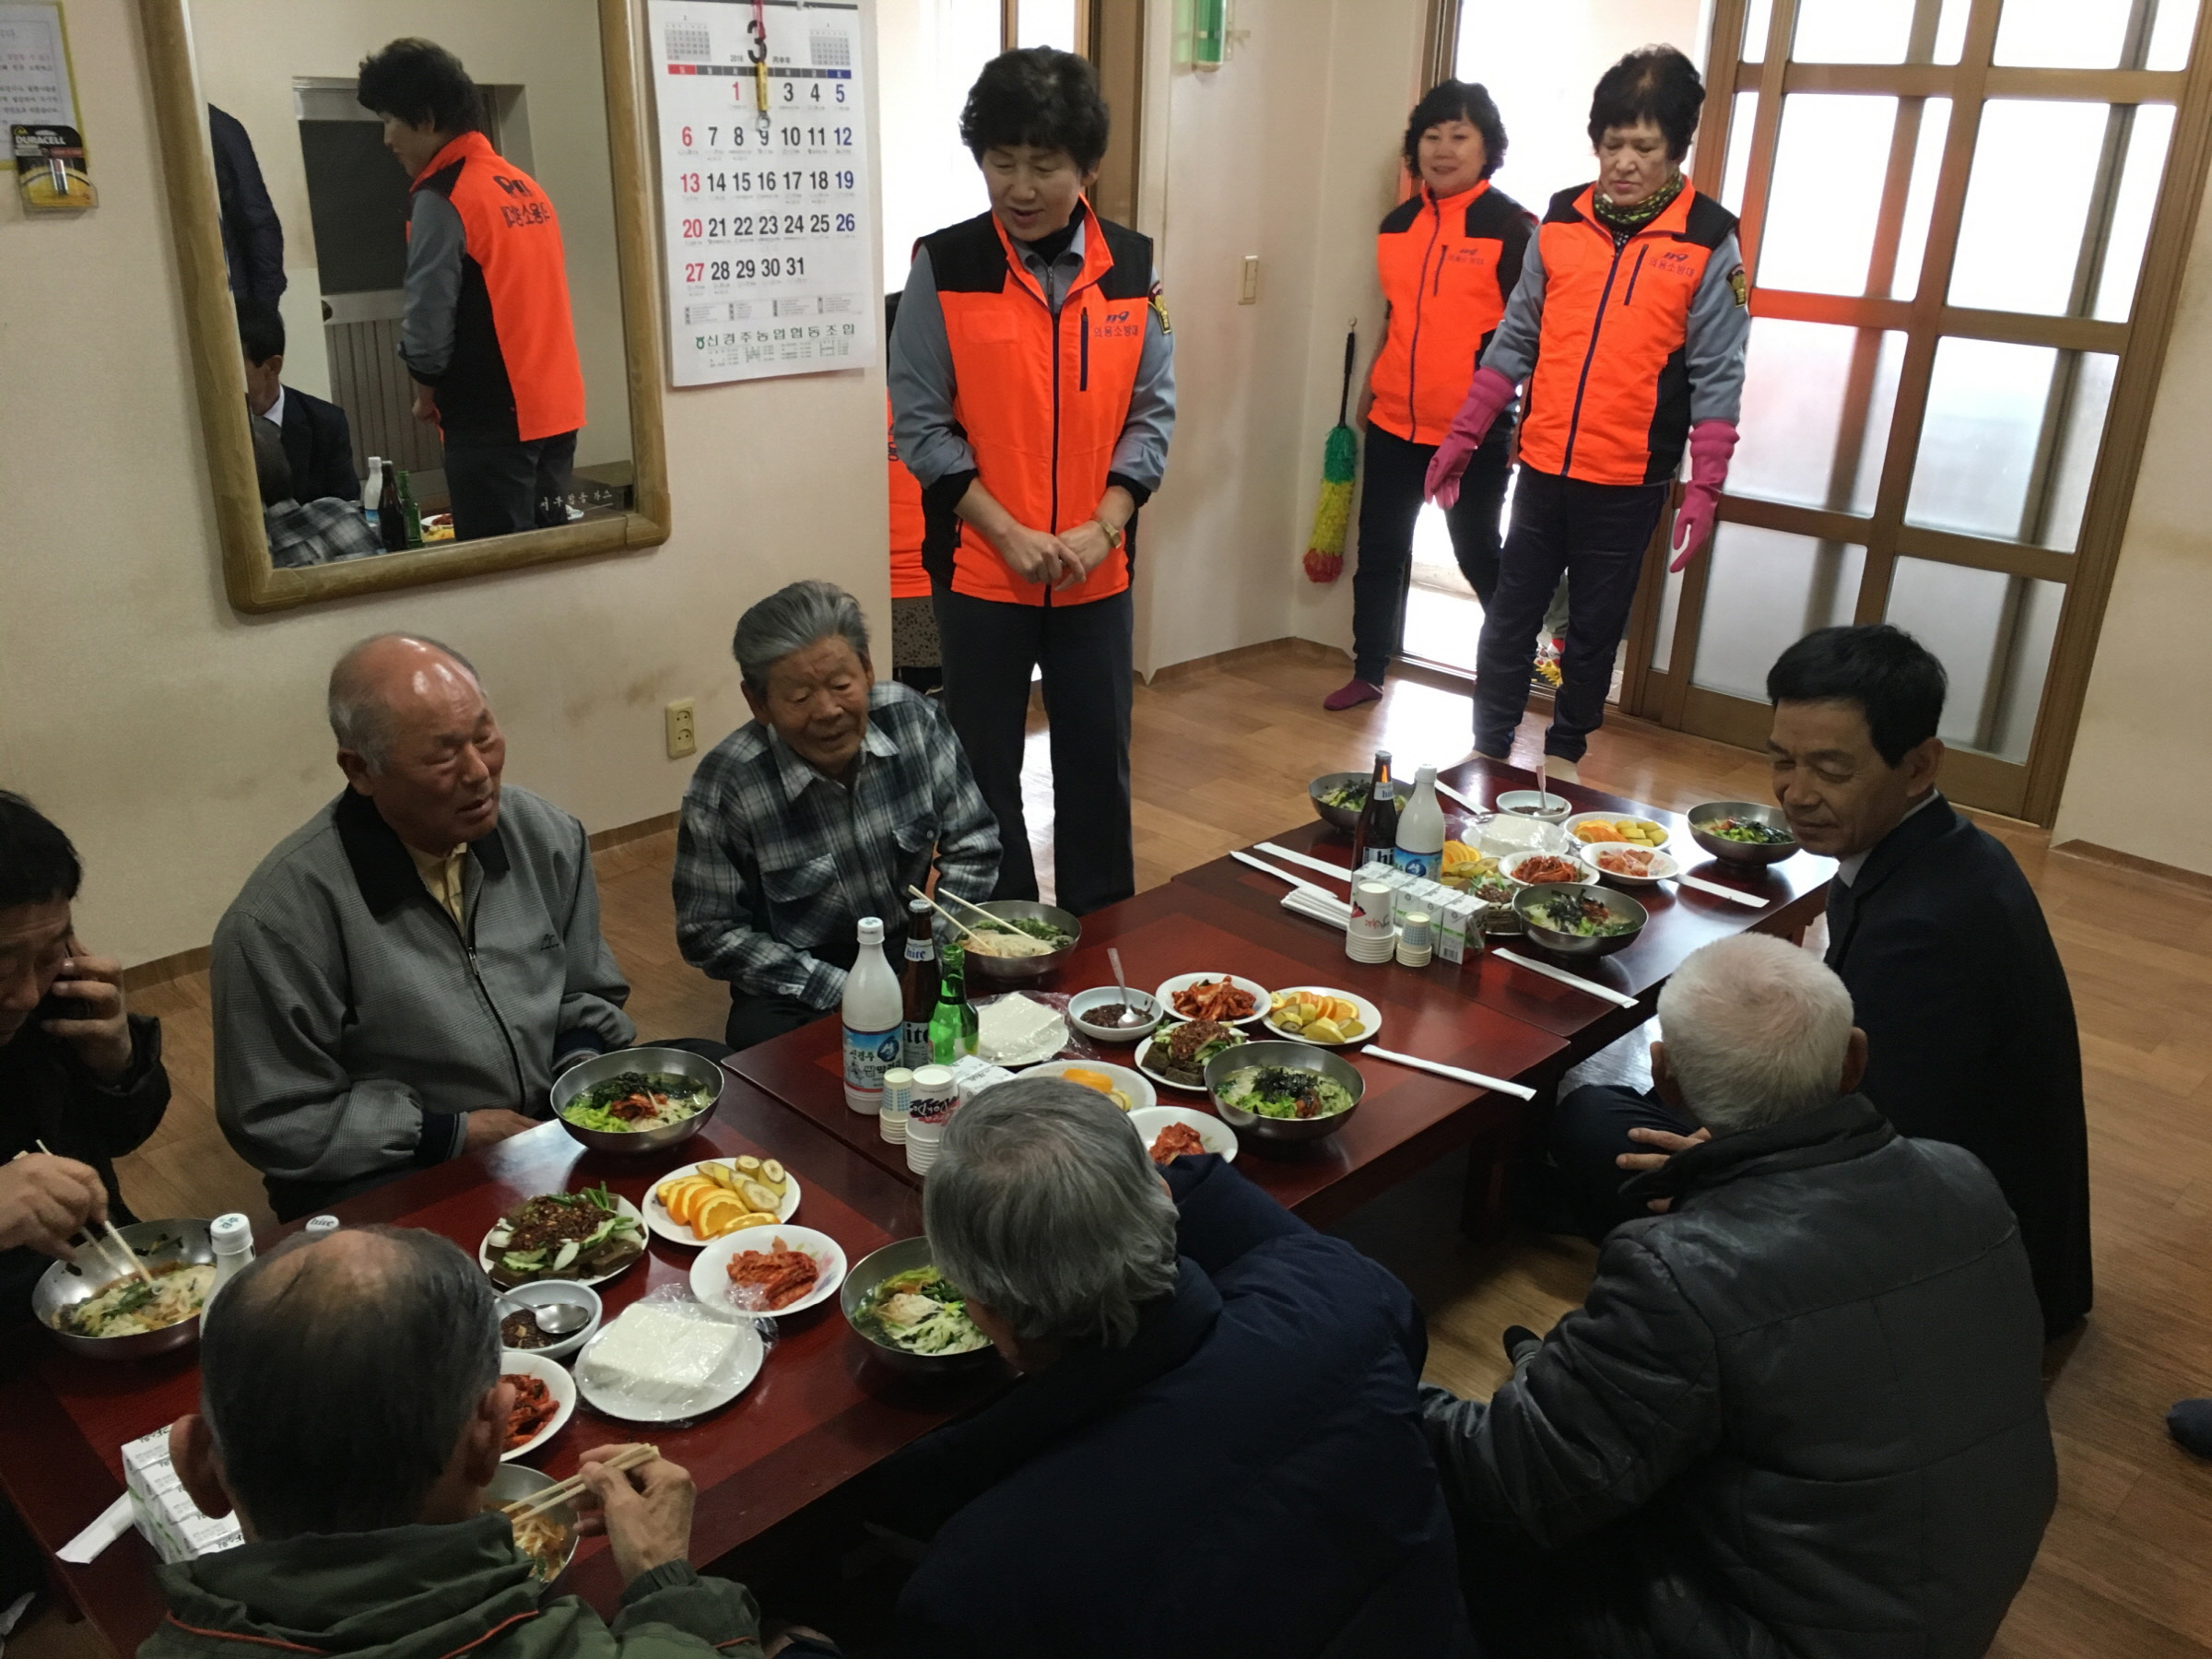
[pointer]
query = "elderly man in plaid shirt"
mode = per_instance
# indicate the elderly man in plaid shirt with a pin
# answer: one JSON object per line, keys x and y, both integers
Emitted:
{"x": 821, "y": 809}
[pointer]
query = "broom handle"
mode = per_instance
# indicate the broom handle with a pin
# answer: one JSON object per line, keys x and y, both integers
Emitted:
{"x": 1344, "y": 395}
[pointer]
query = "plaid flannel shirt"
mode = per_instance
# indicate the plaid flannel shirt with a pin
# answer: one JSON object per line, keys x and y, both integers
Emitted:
{"x": 775, "y": 864}
{"x": 319, "y": 532}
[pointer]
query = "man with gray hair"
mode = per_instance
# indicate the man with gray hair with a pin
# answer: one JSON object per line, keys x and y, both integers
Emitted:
{"x": 404, "y": 975}
{"x": 1801, "y": 1409}
{"x": 367, "y": 1529}
{"x": 824, "y": 807}
{"x": 1217, "y": 1447}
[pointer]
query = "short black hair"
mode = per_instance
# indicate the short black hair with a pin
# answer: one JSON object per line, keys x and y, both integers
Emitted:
{"x": 1656, "y": 84}
{"x": 1037, "y": 96}
{"x": 1457, "y": 101}
{"x": 1897, "y": 682}
{"x": 260, "y": 330}
{"x": 272, "y": 466}
{"x": 38, "y": 865}
{"x": 420, "y": 82}
{"x": 336, "y": 1387}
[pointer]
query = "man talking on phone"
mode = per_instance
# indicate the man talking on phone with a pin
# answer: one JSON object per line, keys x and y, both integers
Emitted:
{"x": 81, "y": 1081}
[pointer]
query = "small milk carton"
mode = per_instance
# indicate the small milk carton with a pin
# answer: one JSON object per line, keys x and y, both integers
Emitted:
{"x": 1451, "y": 933}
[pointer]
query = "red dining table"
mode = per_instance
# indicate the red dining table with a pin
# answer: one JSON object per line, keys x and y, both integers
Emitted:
{"x": 820, "y": 1412}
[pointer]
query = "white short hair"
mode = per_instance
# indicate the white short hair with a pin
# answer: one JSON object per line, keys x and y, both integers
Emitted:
{"x": 1755, "y": 1031}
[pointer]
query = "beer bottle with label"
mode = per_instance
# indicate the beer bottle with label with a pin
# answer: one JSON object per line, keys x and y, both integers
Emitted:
{"x": 1376, "y": 835}
{"x": 919, "y": 978}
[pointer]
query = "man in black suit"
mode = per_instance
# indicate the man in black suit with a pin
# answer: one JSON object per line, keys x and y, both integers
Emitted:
{"x": 1952, "y": 973}
{"x": 317, "y": 440}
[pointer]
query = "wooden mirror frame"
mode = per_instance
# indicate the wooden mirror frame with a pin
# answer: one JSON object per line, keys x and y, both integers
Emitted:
{"x": 188, "y": 169}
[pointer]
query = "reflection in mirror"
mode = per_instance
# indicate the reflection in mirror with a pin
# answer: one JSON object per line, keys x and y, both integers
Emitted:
{"x": 419, "y": 239}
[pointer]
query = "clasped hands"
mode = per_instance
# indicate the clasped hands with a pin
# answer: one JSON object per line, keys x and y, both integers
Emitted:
{"x": 1061, "y": 560}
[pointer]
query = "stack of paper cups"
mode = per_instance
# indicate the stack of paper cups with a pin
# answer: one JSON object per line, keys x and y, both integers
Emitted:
{"x": 1371, "y": 935}
{"x": 1415, "y": 942}
{"x": 898, "y": 1100}
{"x": 935, "y": 1099}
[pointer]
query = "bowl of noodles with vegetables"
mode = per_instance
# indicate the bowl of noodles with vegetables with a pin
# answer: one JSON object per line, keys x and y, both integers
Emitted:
{"x": 639, "y": 1099}
{"x": 1284, "y": 1091}
{"x": 548, "y": 1538}
{"x": 100, "y": 1307}
{"x": 912, "y": 1317}
{"x": 1028, "y": 941}
{"x": 1579, "y": 920}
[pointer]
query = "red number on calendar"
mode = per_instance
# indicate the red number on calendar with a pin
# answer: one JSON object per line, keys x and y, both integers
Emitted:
{"x": 693, "y": 229}
{"x": 689, "y": 182}
{"x": 694, "y": 270}
{"x": 687, "y": 137}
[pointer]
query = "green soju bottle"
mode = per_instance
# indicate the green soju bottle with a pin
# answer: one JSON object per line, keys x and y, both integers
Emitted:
{"x": 952, "y": 1024}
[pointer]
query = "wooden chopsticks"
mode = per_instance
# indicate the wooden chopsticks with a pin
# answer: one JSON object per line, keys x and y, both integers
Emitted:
{"x": 941, "y": 911}
{"x": 562, "y": 1491}
{"x": 114, "y": 1237}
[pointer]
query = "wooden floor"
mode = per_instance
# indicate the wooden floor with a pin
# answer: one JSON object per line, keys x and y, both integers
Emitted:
{"x": 1221, "y": 756}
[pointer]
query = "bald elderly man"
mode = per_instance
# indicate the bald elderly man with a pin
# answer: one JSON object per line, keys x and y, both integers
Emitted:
{"x": 404, "y": 976}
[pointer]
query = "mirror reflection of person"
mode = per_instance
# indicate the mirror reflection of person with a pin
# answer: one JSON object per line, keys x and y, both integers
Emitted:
{"x": 485, "y": 329}
{"x": 252, "y": 234}
{"x": 318, "y": 440}
{"x": 317, "y": 532}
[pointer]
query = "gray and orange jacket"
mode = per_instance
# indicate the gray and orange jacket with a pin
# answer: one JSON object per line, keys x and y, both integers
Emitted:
{"x": 1045, "y": 392}
{"x": 1448, "y": 267}
{"x": 487, "y": 321}
{"x": 1624, "y": 347}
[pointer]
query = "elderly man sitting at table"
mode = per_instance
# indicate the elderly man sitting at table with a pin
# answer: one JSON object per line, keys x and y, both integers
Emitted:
{"x": 403, "y": 977}
{"x": 824, "y": 807}
{"x": 352, "y": 1413}
{"x": 1801, "y": 1409}
{"x": 1217, "y": 1447}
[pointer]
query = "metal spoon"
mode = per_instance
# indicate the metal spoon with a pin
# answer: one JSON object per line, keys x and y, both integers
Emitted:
{"x": 560, "y": 1319}
{"x": 1129, "y": 1016}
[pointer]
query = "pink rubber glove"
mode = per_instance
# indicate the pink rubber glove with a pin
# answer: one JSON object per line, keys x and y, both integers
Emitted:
{"x": 1489, "y": 393}
{"x": 1711, "y": 442}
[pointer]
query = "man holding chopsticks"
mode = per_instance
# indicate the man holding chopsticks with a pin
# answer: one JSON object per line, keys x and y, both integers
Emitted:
{"x": 81, "y": 1080}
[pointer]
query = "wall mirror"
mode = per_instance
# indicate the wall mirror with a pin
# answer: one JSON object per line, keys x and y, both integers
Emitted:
{"x": 291, "y": 220}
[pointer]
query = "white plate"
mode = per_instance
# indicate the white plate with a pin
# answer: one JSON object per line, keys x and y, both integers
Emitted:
{"x": 1371, "y": 1016}
{"x": 1051, "y": 1043}
{"x": 1143, "y": 1052}
{"x": 1510, "y": 868}
{"x": 1663, "y": 864}
{"x": 1217, "y": 1136}
{"x": 735, "y": 1376}
{"x": 666, "y": 1226}
{"x": 711, "y": 1275}
{"x": 622, "y": 1206}
{"x": 1138, "y": 1088}
{"x": 1612, "y": 817}
{"x": 1168, "y": 987}
{"x": 558, "y": 1384}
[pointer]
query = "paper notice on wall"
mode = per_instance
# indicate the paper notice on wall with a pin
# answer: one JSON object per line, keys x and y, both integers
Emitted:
{"x": 34, "y": 68}
{"x": 763, "y": 156}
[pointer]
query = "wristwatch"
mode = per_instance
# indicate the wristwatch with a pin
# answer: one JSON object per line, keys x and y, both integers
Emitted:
{"x": 1113, "y": 532}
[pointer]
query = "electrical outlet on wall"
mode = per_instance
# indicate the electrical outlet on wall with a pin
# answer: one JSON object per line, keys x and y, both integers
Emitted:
{"x": 683, "y": 734}
{"x": 1248, "y": 280}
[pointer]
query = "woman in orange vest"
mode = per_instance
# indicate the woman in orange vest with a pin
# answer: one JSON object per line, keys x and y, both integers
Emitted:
{"x": 1032, "y": 393}
{"x": 1449, "y": 256}
{"x": 915, "y": 654}
{"x": 1629, "y": 328}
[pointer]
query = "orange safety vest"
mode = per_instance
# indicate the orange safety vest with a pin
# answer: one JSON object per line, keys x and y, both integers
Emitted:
{"x": 909, "y": 580}
{"x": 1609, "y": 400}
{"x": 1042, "y": 399}
{"x": 1448, "y": 268}
{"x": 515, "y": 374}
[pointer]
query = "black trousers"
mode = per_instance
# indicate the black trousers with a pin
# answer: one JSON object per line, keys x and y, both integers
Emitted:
{"x": 1590, "y": 1129}
{"x": 1086, "y": 652}
{"x": 1390, "y": 502}
{"x": 756, "y": 1019}
{"x": 496, "y": 489}
{"x": 1596, "y": 535}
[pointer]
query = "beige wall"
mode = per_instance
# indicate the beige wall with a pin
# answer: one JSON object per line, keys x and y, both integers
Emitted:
{"x": 176, "y": 740}
{"x": 249, "y": 54}
{"x": 2141, "y": 782}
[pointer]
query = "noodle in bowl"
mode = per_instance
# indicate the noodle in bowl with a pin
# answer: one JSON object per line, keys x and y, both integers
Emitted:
{"x": 134, "y": 1326}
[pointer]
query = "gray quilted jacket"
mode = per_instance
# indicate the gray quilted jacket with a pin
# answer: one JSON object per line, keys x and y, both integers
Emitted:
{"x": 354, "y": 1021}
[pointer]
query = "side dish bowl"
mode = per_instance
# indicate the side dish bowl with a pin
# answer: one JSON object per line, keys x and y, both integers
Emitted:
{"x": 1742, "y": 853}
{"x": 867, "y": 1273}
{"x": 1299, "y": 1056}
{"x": 1346, "y": 819}
{"x": 1084, "y": 1003}
{"x": 1587, "y": 947}
{"x": 666, "y": 1062}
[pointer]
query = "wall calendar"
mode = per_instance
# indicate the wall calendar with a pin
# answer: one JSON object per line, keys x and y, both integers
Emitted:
{"x": 764, "y": 190}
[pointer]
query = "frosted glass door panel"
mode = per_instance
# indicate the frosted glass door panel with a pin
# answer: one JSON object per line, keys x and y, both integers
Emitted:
{"x": 2088, "y": 34}
{"x": 1828, "y": 162}
{"x": 1993, "y": 634}
{"x": 1741, "y": 117}
{"x": 2169, "y": 35}
{"x": 1756, "y": 15}
{"x": 1766, "y": 591}
{"x": 1987, "y": 404}
{"x": 1872, "y": 32}
{"x": 2018, "y": 238}
{"x": 931, "y": 51}
{"x": 1920, "y": 197}
{"x": 1046, "y": 23}
{"x": 1797, "y": 379}
{"x": 2138, "y": 194}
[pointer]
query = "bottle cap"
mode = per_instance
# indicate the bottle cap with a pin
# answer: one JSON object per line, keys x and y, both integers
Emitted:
{"x": 871, "y": 930}
{"x": 320, "y": 1227}
{"x": 898, "y": 1077}
{"x": 231, "y": 1232}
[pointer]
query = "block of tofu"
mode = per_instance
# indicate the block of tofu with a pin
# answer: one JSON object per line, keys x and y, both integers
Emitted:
{"x": 658, "y": 1356}
{"x": 1015, "y": 1027}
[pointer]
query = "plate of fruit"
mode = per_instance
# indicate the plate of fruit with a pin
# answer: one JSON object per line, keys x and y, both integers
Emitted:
{"x": 718, "y": 1196}
{"x": 1318, "y": 1014}
{"x": 1588, "y": 827}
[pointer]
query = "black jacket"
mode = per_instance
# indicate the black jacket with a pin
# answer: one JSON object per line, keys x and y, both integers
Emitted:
{"x": 1969, "y": 1028}
{"x": 252, "y": 235}
{"x": 1807, "y": 1399}
{"x": 319, "y": 444}
{"x": 46, "y": 1094}
{"x": 1247, "y": 1478}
